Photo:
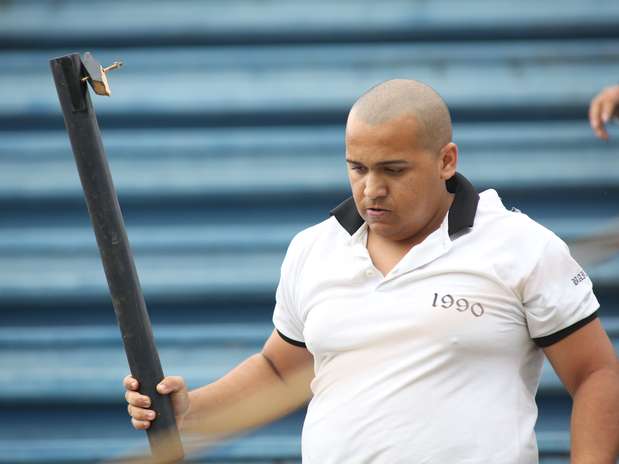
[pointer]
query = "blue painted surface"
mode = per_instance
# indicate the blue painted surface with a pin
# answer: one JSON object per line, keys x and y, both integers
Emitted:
{"x": 225, "y": 138}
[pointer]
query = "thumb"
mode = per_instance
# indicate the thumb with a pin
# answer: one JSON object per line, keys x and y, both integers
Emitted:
{"x": 171, "y": 384}
{"x": 179, "y": 395}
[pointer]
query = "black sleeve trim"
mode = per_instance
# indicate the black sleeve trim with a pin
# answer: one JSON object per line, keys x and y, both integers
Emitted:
{"x": 548, "y": 340}
{"x": 291, "y": 341}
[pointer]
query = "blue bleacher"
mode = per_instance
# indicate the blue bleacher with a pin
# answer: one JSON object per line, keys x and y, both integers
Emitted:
{"x": 225, "y": 138}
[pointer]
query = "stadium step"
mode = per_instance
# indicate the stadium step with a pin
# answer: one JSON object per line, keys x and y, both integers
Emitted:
{"x": 192, "y": 22}
{"x": 485, "y": 81}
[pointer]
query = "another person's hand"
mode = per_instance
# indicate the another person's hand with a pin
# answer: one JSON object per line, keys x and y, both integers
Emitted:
{"x": 138, "y": 407}
{"x": 604, "y": 106}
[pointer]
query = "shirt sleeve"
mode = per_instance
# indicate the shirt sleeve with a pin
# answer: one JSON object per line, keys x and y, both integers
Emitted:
{"x": 287, "y": 315}
{"x": 558, "y": 295}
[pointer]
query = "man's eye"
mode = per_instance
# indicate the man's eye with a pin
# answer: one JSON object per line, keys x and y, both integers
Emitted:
{"x": 394, "y": 170}
{"x": 357, "y": 168}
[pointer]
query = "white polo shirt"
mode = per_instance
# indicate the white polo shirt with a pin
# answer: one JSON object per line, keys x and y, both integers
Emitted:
{"x": 439, "y": 360}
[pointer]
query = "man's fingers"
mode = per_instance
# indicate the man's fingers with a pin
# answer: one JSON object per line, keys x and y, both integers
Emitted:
{"x": 141, "y": 414}
{"x": 139, "y": 424}
{"x": 601, "y": 132}
{"x": 136, "y": 399}
{"x": 176, "y": 387}
{"x": 595, "y": 119}
{"x": 602, "y": 108}
{"x": 171, "y": 384}
{"x": 130, "y": 383}
{"x": 137, "y": 408}
{"x": 594, "y": 113}
{"x": 608, "y": 108}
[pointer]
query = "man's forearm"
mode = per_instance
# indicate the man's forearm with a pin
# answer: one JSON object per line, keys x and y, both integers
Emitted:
{"x": 595, "y": 419}
{"x": 250, "y": 395}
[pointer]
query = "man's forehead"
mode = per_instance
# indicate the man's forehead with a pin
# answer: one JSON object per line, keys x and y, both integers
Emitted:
{"x": 404, "y": 118}
{"x": 404, "y": 127}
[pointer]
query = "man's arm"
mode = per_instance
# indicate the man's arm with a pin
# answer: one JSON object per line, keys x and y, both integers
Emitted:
{"x": 264, "y": 387}
{"x": 587, "y": 364}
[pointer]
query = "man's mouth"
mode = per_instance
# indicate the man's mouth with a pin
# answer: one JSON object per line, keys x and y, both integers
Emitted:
{"x": 376, "y": 212}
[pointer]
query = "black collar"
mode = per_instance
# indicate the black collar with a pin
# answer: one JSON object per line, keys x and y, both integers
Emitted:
{"x": 461, "y": 213}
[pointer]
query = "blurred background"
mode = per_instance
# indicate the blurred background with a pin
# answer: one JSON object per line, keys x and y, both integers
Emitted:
{"x": 225, "y": 137}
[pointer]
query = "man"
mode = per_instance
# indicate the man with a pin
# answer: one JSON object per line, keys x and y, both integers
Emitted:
{"x": 424, "y": 308}
{"x": 603, "y": 107}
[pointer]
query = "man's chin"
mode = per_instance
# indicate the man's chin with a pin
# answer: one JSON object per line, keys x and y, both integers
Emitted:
{"x": 382, "y": 228}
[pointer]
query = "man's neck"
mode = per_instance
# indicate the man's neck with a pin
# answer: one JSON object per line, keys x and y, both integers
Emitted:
{"x": 386, "y": 253}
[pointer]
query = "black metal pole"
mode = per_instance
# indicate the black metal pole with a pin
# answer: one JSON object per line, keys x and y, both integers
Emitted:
{"x": 107, "y": 221}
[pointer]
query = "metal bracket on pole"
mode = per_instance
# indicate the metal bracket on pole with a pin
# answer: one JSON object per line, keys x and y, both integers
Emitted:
{"x": 96, "y": 75}
{"x": 70, "y": 76}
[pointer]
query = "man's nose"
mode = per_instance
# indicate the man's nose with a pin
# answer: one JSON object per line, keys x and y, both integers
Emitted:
{"x": 374, "y": 187}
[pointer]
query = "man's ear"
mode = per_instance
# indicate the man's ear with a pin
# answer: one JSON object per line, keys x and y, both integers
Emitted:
{"x": 448, "y": 159}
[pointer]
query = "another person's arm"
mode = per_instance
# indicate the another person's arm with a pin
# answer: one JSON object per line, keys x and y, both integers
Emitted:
{"x": 603, "y": 107}
{"x": 263, "y": 388}
{"x": 587, "y": 364}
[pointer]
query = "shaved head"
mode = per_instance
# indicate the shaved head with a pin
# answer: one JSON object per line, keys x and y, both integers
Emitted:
{"x": 400, "y": 98}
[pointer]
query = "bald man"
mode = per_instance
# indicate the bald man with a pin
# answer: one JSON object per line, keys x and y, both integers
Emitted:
{"x": 416, "y": 318}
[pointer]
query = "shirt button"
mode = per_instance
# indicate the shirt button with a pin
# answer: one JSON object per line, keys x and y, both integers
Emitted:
{"x": 369, "y": 272}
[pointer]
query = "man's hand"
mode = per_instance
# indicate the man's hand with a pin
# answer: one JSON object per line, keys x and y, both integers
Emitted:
{"x": 141, "y": 416}
{"x": 604, "y": 106}
{"x": 264, "y": 387}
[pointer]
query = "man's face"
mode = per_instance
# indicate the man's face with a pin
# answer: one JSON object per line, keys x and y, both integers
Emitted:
{"x": 398, "y": 184}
